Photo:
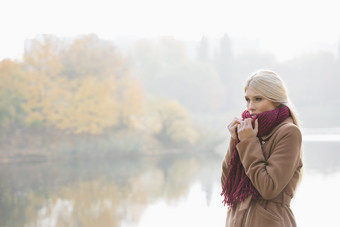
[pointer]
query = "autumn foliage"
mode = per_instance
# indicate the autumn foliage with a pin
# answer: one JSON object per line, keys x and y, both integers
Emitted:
{"x": 83, "y": 87}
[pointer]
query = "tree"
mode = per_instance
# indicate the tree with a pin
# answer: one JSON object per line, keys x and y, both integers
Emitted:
{"x": 11, "y": 96}
{"x": 203, "y": 50}
{"x": 89, "y": 106}
{"x": 90, "y": 56}
{"x": 90, "y": 90}
{"x": 43, "y": 55}
{"x": 169, "y": 122}
{"x": 131, "y": 102}
{"x": 224, "y": 59}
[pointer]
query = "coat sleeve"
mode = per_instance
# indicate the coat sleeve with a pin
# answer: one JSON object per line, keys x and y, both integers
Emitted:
{"x": 271, "y": 176}
{"x": 225, "y": 162}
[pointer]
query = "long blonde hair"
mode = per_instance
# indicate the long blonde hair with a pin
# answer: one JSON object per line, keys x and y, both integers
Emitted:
{"x": 271, "y": 86}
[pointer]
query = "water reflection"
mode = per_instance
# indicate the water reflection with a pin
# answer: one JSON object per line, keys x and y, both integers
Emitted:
{"x": 122, "y": 191}
{"x": 91, "y": 192}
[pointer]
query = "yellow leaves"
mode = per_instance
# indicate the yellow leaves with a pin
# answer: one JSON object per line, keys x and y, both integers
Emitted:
{"x": 85, "y": 88}
{"x": 90, "y": 108}
{"x": 9, "y": 72}
{"x": 11, "y": 83}
{"x": 81, "y": 88}
{"x": 183, "y": 132}
{"x": 43, "y": 55}
{"x": 164, "y": 113}
{"x": 131, "y": 99}
{"x": 170, "y": 122}
{"x": 83, "y": 105}
{"x": 34, "y": 118}
{"x": 37, "y": 93}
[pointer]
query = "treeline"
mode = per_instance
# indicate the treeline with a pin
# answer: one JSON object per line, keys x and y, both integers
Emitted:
{"x": 147, "y": 95}
{"x": 208, "y": 77}
{"x": 65, "y": 93}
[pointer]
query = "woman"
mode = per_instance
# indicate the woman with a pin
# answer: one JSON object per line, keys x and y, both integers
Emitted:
{"x": 261, "y": 169}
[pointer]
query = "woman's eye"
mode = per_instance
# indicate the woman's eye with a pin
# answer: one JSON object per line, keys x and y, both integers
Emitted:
{"x": 247, "y": 99}
{"x": 258, "y": 99}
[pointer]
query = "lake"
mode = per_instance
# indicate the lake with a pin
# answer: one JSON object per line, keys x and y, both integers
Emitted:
{"x": 146, "y": 191}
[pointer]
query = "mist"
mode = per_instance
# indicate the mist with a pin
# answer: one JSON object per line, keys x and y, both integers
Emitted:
{"x": 113, "y": 132}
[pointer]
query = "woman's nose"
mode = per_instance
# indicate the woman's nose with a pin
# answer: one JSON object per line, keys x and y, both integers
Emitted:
{"x": 251, "y": 106}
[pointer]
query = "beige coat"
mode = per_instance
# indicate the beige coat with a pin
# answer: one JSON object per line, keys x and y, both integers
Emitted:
{"x": 274, "y": 169}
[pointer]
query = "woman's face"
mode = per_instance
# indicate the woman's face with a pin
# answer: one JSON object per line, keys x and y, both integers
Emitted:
{"x": 256, "y": 103}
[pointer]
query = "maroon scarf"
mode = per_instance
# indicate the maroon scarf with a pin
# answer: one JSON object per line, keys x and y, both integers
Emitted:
{"x": 237, "y": 186}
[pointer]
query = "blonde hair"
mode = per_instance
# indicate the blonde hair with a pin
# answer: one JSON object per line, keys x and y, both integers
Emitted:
{"x": 271, "y": 86}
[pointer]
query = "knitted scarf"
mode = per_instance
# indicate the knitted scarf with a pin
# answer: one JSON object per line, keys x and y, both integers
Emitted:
{"x": 237, "y": 186}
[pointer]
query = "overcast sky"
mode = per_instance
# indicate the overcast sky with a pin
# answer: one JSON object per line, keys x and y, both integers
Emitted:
{"x": 285, "y": 28}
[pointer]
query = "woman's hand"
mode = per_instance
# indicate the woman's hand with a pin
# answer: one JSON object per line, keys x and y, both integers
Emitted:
{"x": 245, "y": 129}
{"x": 233, "y": 126}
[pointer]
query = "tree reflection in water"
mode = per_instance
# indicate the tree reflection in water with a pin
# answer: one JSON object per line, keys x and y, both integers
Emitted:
{"x": 113, "y": 191}
{"x": 92, "y": 192}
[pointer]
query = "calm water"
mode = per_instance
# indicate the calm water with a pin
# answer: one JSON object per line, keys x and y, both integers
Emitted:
{"x": 168, "y": 190}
